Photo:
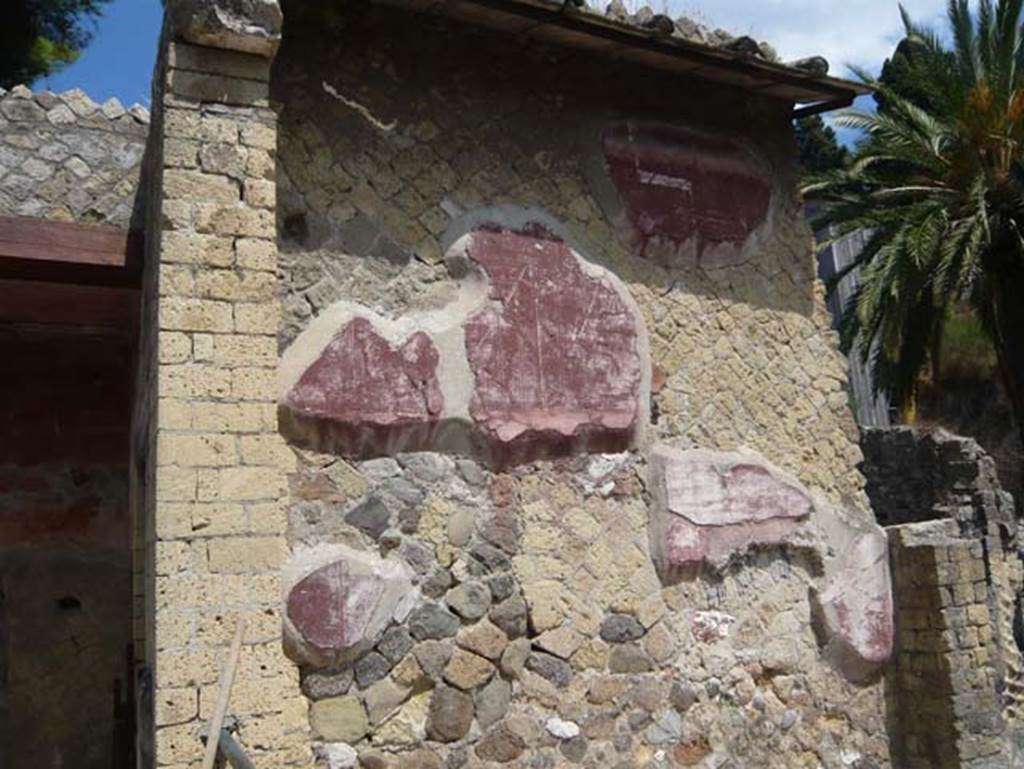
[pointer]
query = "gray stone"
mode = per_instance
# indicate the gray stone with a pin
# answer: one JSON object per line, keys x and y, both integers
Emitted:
{"x": 371, "y": 516}
{"x": 431, "y": 621}
{"x": 682, "y": 697}
{"x": 405, "y": 491}
{"x": 433, "y": 656}
{"x": 471, "y": 472}
{"x": 437, "y": 584}
{"x": 321, "y": 684}
{"x": 510, "y": 616}
{"x": 501, "y": 586}
{"x": 419, "y": 555}
{"x": 492, "y": 702}
{"x": 370, "y": 668}
{"x": 395, "y": 644}
{"x": 575, "y": 749}
{"x": 489, "y": 557}
{"x": 470, "y": 600}
{"x": 619, "y": 628}
{"x": 250, "y": 26}
{"x": 789, "y": 719}
{"x": 628, "y": 658}
{"x": 548, "y": 666}
{"x": 450, "y": 714}
{"x": 427, "y": 466}
{"x": 667, "y": 729}
{"x": 502, "y": 530}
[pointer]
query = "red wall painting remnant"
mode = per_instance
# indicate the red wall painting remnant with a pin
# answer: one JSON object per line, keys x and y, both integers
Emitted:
{"x": 557, "y": 356}
{"x": 546, "y": 358}
{"x": 360, "y": 381}
{"x": 678, "y": 184}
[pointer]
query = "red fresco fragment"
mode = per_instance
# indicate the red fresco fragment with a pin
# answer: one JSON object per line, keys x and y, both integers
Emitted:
{"x": 677, "y": 184}
{"x": 331, "y": 607}
{"x": 360, "y": 379}
{"x": 556, "y": 357}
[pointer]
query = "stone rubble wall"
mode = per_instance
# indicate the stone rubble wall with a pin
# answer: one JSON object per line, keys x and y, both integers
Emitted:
{"x": 65, "y": 157}
{"x": 917, "y": 475}
{"x": 539, "y": 630}
{"x": 958, "y": 578}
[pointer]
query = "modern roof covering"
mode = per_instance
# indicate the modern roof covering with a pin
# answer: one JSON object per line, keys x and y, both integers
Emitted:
{"x": 654, "y": 40}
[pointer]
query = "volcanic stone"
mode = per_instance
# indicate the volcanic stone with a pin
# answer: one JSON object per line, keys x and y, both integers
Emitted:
{"x": 500, "y": 745}
{"x": 552, "y": 668}
{"x": 371, "y": 516}
{"x": 510, "y": 616}
{"x": 450, "y": 715}
{"x": 396, "y": 643}
{"x": 628, "y": 658}
{"x": 371, "y": 668}
{"x": 431, "y": 621}
{"x": 321, "y": 684}
{"x": 470, "y": 600}
{"x": 492, "y": 702}
{"x": 619, "y": 628}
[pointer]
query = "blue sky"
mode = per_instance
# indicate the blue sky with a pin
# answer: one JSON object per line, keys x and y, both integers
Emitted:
{"x": 120, "y": 60}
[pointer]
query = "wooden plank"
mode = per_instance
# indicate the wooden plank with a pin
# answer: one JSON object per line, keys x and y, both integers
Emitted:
{"x": 72, "y": 242}
{"x": 67, "y": 304}
{"x": 226, "y": 680}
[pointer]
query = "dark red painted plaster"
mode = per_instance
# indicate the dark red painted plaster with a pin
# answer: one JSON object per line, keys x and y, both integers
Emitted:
{"x": 556, "y": 357}
{"x": 330, "y": 607}
{"x": 678, "y": 185}
{"x": 361, "y": 379}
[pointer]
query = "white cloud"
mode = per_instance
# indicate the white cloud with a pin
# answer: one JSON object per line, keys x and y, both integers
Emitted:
{"x": 859, "y": 32}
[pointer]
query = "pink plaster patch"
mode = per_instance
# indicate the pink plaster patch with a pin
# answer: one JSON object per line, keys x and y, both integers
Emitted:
{"x": 679, "y": 185}
{"x": 857, "y": 604}
{"x": 367, "y": 387}
{"x": 709, "y": 506}
{"x": 557, "y": 358}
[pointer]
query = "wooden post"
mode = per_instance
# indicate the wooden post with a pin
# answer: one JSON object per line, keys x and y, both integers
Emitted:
{"x": 227, "y": 678}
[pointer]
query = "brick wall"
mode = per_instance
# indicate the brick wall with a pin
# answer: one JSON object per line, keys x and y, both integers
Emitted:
{"x": 211, "y": 468}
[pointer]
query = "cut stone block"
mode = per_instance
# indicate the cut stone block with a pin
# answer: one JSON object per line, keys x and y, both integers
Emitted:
{"x": 250, "y": 26}
{"x": 708, "y": 506}
{"x": 340, "y": 602}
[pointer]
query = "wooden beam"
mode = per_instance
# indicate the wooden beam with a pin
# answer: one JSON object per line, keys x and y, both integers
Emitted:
{"x": 40, "y": 303}
{"x": 68, "y": 242}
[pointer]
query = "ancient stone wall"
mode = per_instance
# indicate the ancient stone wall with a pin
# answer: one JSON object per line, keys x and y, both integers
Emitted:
{"x": 63, "y": 156}
{"x": 926, "y": 475}
{"x": 947, "y": 682}
{"x": 577, "y": 474}
{"x": 955, "y": 686}
{"x": 209, "y": 469}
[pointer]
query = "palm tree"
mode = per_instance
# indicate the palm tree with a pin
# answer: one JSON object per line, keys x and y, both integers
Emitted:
{"x": 941, "y": 190}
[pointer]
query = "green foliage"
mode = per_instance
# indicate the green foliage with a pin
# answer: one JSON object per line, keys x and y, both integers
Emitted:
{"x": 38, "y": 37}
{"x": 939, "y": 184}
{"x": 819, "y": 149}
{"x": 965, "y": 351}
